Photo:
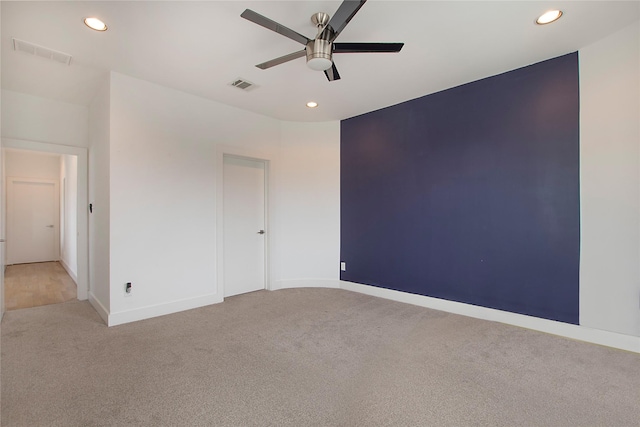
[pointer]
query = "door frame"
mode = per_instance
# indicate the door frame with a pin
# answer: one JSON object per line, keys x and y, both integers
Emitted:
{"x": 82, "y": 217}
{"x": 266, "y": 158}
{"x": 10, "y": 193}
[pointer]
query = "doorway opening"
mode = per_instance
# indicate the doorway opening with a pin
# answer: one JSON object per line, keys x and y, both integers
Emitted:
{"x": 45, "y": 224}
{"x": 41, "y": 224}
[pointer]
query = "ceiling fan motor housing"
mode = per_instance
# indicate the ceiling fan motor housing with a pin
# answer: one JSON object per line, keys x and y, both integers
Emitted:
{"x": 319, "y": 54}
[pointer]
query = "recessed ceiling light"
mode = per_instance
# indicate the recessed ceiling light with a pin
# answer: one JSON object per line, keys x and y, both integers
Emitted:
{"x": 95, "y": 24}
{"x": 312, "y": 104}
{"x": 549, "y": 17}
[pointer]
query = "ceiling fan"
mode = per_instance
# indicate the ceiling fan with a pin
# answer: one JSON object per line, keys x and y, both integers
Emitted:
{"x": 319, "y": 51}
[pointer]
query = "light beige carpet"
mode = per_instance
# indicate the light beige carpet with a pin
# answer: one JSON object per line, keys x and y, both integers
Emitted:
{"x": 305, "y": 357}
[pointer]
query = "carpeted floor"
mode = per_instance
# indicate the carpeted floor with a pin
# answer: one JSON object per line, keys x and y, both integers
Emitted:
{"x": 305, "y": 357}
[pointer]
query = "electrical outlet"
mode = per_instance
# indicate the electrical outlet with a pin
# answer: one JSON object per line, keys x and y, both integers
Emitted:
{"x": 343, "y": 266}
{"x": 128, "y": 289}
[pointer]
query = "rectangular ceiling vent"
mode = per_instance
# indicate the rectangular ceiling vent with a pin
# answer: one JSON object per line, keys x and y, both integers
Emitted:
{"x": 41, "y": 51}
{"x": 243, "y": 84}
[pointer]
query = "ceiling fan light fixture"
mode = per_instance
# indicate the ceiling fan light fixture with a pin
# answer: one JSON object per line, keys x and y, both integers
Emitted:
{"x": 549, "y": 17}
{"x": 95, "y": 24}
{"x": 319, "y": 64}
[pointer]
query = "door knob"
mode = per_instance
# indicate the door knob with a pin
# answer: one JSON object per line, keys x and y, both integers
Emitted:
{"x": 261, "y": 232}
{"x": 49, "y": 226}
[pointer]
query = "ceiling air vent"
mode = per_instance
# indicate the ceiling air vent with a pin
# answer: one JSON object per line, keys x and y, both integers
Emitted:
{"x": 41, "y": 51}
{"x": 243, "y": 84}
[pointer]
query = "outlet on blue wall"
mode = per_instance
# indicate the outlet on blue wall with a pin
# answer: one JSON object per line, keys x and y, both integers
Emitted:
{"x": 470, "y": 194}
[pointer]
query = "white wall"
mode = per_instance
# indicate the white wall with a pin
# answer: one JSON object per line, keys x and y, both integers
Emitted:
{"x": 3, "y": 225}
{"x": 29, "y": 164}
{"x": 163, "y": 193}
{"x": 44, "y": 120}
{"x": 308, "y": 203}
{"x": 99, "y": 129}
{"x": 610, "y": 183}
{"x": 68, "y": 214}
{"x": 152, "y": 182}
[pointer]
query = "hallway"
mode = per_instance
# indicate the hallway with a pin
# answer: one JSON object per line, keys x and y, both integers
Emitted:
{"x": 33, "y": 285}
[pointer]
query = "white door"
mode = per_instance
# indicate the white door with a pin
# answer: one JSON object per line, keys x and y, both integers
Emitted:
{"x": 32, "y": 214}
{"x": 243, "y": 225}
{"x": 3, "y": 218}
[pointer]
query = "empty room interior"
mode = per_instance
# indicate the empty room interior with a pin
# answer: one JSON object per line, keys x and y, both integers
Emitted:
{"x": 320, "y": 213}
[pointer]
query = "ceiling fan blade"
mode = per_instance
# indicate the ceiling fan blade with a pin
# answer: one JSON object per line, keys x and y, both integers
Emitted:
{"x": 282, "y": 59}
{"x": 267, "y": 23}
{"x": 332, "y": 73}
{"x": 343, "y": 15}
{"x": 367, "y": 47}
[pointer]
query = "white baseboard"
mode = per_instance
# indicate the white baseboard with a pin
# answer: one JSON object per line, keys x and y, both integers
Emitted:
{"x": 97, "y": 305}
{"x": 148, "y": 312}
{"x": 305, "y": 283}
{"x": 581, "y": 333}
{"x": 70, "y": 272}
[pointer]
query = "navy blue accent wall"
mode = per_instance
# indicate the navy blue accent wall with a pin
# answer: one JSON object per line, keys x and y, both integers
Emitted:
{"x": 470, "y": 194}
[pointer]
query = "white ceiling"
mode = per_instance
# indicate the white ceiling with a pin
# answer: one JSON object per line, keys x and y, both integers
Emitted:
{"x": 200, "y": 47}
